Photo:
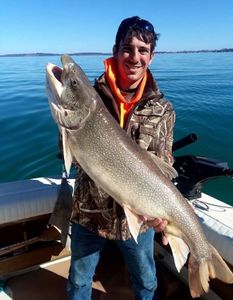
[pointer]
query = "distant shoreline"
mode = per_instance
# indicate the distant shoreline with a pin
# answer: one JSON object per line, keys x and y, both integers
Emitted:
{"x": 103, "y": 53}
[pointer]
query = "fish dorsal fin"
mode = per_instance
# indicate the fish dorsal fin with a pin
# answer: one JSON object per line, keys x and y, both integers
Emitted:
{"x": 66, "y": 151}
{"x": 164, "y": 167}
{"x": 180, "y": 250}
{"x": 134, "y": 222}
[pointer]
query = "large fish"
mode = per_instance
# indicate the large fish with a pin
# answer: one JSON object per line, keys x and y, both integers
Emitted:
{"x": 139, "y": 183}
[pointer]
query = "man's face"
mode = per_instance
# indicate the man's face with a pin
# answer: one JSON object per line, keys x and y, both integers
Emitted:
{"x": 133, "y": 59}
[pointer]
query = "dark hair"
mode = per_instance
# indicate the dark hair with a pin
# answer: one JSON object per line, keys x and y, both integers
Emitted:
{"x": 136, "y": 27}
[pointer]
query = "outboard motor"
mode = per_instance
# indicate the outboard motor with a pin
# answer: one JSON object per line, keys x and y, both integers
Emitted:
{"x": 193, "y": 171}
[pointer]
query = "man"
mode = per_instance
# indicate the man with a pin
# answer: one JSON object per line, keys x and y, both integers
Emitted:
{"x": 133, "y": 98}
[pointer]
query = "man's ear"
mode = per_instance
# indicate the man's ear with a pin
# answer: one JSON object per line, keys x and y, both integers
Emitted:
{"x": 114, "y": 50}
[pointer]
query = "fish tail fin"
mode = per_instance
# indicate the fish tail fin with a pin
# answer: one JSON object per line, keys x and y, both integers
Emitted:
{"x": 200, "y": 274}
{"x": 219, "y": 268}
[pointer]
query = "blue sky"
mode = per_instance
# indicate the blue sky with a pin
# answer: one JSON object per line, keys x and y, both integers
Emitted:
{"x": 28, "y": 26}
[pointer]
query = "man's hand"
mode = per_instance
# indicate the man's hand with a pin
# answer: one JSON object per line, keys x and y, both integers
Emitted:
{"x": 159, "y": 225}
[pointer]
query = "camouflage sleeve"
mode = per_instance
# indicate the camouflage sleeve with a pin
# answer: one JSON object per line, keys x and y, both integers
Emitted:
{"x": 168, "y": 141}
{"x": 162, "y": 140}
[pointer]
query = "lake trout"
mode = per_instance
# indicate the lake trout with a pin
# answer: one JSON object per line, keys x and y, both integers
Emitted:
{"x": 140, "y": 183}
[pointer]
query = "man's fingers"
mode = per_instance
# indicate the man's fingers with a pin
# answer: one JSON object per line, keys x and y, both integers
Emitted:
{"x": 158, "y": 224}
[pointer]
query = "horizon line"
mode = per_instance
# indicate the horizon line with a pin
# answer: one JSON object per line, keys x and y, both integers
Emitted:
{"x": 109, "y": 53}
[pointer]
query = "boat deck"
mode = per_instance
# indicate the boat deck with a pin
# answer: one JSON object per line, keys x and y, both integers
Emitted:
{"x": 111, "y": 281}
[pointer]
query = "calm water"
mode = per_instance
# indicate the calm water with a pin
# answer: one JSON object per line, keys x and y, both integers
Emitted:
{"x": 200, "y": 86}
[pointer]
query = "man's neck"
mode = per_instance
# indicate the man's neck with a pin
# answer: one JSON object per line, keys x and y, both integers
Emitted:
{"x": 128, "y": 95}
{"x": 123, "y": 86}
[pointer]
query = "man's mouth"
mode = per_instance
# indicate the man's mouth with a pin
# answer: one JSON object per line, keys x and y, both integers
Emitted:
{"x": 133, "y": 67}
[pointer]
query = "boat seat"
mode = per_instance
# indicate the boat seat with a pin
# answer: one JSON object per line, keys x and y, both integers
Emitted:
{"x": 21, "y": 200}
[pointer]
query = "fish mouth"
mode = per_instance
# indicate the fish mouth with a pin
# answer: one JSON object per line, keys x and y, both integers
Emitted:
{"x": 54, "y": 77}
{"x": 57, "y": 72}
{"x": 54, "y": 89}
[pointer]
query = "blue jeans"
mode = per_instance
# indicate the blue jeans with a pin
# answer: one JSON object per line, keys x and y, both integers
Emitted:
{"x": 85, "y": 253}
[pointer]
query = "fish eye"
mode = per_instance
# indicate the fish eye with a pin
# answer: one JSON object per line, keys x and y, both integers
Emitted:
{"x": 74, "y": 83}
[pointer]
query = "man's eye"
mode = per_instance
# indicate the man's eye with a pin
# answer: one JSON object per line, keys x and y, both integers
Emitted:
{"x": 144, "y": 51}
{"x": 126, "y": 49}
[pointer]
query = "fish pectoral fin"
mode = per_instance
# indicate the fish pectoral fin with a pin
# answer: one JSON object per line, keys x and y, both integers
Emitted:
{"x": 164, "y": 167}
{"x": 134, "y": 222}
{"x": 180, "y": 250}
{"x": 66, "y": 151}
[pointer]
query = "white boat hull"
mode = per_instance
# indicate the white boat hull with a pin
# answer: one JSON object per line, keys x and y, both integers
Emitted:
{"x": 24, "y": 200}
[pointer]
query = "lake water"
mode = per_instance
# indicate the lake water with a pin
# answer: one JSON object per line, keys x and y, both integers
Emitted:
{"x": 200, "y": 86}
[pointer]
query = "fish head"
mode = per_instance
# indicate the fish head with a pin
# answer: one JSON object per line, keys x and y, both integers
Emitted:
{"x": 71, "y": 96}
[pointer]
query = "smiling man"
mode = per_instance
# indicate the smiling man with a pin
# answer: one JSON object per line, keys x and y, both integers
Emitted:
{"x": 132, "y": 96}
{"x": 133, "y": 58}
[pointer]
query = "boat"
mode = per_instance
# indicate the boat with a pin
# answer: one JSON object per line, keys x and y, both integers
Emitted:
{"x": 34, "y": 262}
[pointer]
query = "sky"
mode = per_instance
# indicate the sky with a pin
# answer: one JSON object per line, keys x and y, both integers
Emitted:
{"x": 59, "y": 26}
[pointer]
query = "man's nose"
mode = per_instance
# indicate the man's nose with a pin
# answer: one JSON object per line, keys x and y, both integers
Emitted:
{"x": 135, "y": 55}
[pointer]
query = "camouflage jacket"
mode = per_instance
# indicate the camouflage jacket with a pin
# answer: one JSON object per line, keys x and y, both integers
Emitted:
{"x": 150, "y": 124}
